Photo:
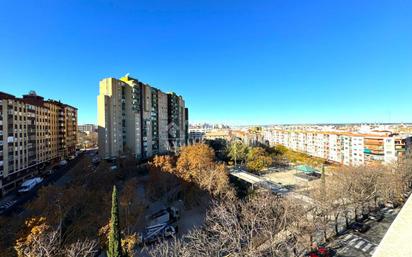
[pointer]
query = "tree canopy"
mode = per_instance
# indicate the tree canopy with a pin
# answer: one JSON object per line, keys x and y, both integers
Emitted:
{"x": 258, "y": 159}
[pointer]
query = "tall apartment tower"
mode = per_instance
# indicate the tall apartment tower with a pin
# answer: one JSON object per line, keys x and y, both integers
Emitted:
{"x": 136, "y": 118}
{"x": 33, "y": 134}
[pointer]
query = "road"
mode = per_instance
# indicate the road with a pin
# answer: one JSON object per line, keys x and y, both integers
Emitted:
{"x": 356, "y": 244}
{"x": 21, "y": 200}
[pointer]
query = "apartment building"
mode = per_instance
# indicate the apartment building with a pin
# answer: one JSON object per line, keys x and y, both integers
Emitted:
{"x": 348, "y": 148}
{"x": 87, "y": 128}
{"x": 33, "y": 133}
{"x": 408, "y": 146}
{"x": 136, "y": 118}
{"x": 195, "y": 137}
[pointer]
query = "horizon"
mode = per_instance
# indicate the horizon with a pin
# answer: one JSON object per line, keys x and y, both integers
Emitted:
{"x": 240, "y": 64}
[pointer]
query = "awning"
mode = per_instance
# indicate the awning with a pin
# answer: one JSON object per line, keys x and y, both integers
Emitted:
{"x": 306, "y": 169}
{"x": 367, "y": 150}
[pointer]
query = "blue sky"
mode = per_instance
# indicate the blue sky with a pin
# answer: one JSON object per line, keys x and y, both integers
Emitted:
{"x": 237, "y": 62}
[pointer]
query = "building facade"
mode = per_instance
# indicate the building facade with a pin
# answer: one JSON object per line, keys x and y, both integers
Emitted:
{"x": 195, "y": 137}
{"x": 33, "y": 133}
{"x": 135, "y": 118}
{"x": 87, "y": 128}
{"x": 348, "y": 148}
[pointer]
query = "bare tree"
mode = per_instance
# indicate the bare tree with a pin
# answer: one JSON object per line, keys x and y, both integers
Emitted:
{"x": 395, "y": 182}
{"x": 173, "y": 248}
{"x": 84, "y": 248}
{"x": 263, "y": 225}
{"x": 41, "y": 242}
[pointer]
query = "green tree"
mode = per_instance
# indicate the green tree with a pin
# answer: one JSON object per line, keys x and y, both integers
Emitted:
{"x": 220, "y": 147}
{"x": 258, "y": 159}
{"x": 278, "y": 150}
{"x": 238, "y": 151}
{"x": 115, "y": 245}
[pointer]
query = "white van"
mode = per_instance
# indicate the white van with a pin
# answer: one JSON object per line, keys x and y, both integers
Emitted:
{"x": 28, "y": 185}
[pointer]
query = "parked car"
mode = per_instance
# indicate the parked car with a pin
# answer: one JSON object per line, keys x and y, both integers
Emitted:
{"x": 28, "y": 185}
{"x": 63, "y": 163}
{"x": 96, "y": 160}
{"x": 110, "y": 160}
{"x": 51, "y": 170}
{"x": 6, "y": 206}
{"x": 378, "y": 216}
{"x": 391, "y": 205}
{"x": 321, "y": 251}
{"x": 359, "y": 227}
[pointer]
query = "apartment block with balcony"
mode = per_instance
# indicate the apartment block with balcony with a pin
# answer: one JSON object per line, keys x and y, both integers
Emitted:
{"x": 87, "y": 128}
{"x": 348, "y": 148}
{"x": 196, "y": 137}
{"x": 136, "y": 118}
{"x": 357, "y": 154}
{"x": 408, "y": 146}
{"x": 178, "y": 120}
{"x": 395, "y": 147}
{"x": 32, "y": 135}
{"x": 335, "y": 148}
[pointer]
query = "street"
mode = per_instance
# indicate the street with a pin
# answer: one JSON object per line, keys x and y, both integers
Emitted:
{"x": 355, "y": 244}
{"x": 14, "y": 202}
